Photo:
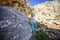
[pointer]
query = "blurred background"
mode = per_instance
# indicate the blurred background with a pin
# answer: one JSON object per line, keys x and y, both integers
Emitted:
{"x": 26, "y": 6}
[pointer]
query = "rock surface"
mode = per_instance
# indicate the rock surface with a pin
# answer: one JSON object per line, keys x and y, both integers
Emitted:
{"x": 13, "y": 25}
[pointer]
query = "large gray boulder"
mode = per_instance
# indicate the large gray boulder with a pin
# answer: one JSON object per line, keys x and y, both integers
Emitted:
{"x": 13, "y": 25}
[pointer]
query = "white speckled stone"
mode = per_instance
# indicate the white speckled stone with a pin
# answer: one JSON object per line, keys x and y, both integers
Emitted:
{"x": 14, "y": 23}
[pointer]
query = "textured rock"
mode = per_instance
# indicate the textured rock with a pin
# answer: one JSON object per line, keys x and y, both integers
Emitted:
{"x": 13, "y": 25}
{"x": 48, "y": 13}
{"x": 20, "y": 5}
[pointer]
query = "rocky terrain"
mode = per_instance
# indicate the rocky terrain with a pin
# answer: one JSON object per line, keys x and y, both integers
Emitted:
{"x": 24, "y": 7}
{"x": 20, "y": 5}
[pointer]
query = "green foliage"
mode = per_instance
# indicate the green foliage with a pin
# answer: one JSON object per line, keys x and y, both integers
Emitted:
{"x": 30, "y": 23}
{"x": 41, "y": 35}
